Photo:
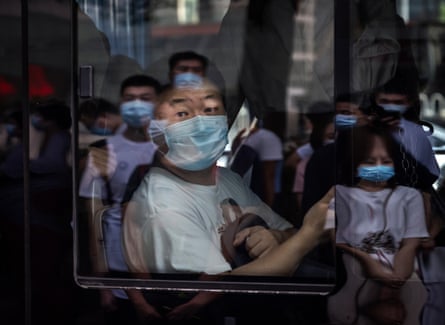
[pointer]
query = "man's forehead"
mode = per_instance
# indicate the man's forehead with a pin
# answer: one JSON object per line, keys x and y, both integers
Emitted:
{"x": 392, "y": 96}
{"x": 346, "y": 105}
{"x": 138, "y": 89}
{"x": 191, "y": 62}
{"x": 191, "y": 95}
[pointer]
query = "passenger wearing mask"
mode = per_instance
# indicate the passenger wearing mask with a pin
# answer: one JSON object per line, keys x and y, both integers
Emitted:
{"x": 186, "y": 215}
{"x": 108, "y": 169}
{"x": 380, "y": 226}
{"x": 187, "y": 62}
{"x": 397, "y": 106}
{"x": 320, "y": 173}
{"x": 99, "y": 118}
{"x": 50, "y": 211}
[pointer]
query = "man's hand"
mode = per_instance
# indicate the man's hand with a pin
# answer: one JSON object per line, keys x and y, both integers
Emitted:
{"x": 145, "y": 311}
{"x": 107, "y": 300}
{"x": 392, "y": 123}
{"x": 315, "y": 219}
{"x": 102, "y": 161}
{"x": 258, "y": 240}
{"x": 192, "y": 307}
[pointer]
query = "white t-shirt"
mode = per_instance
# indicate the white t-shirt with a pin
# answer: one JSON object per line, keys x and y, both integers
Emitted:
{"x": 129, "y": 154}
{"x": 269, "y": 147}
{"x": 183, "y": 222}
{"x": 305, "y": 151}
{"x": 364, "y": 220}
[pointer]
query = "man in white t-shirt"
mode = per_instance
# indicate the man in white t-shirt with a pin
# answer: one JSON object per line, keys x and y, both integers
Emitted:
{"x": 108, "y": 169}
{"x": 188, "y": 215}
{"x": 187, "y": 203}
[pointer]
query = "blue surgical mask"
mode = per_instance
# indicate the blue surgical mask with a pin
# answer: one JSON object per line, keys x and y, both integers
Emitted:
{"x": 38, "y": 123}
{"x": 137, "y": 113}
{"x": 343, "y": 121}
{"x": 394, "y": 108}
{"x": 101, "y": 131}
{"x": 378, "y": 173}
{"x": 196, "y": 143}
{"x": 10, "y": 129}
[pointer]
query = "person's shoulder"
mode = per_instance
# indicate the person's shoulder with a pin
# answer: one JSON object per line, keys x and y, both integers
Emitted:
{"x": 412, "y": 127}
{"x": 407, "y": 190}
{"x": 115, "y": 138}
{"x": 343, "y": 189}
{"x": 261, "y": 136}
{"x": 226, "y": 173}
{"x": 229, "y": 178}
{"x": 156, "y": 180}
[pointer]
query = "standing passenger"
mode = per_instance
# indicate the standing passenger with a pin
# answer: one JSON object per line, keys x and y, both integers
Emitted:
{"x": 107, "y": 172}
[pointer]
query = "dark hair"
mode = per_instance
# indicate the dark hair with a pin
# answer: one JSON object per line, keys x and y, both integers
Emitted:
{"x": 401, "y": 85}
{"x": 355, "y": 145}
{"x": 352, "y": 97}
{"x": 187, "y": 55}
{"x": 96, "y": 107}
{"x": 56, "y": 111}
{"x": 319, "y": 126}
{"x": 140, "y": 80}
{"x": 316, "y": 109}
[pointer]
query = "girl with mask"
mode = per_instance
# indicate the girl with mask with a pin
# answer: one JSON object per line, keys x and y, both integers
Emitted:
{"x": 380, "y": 226}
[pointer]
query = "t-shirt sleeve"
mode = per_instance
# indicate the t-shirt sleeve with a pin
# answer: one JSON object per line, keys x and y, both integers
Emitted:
{"x": 266, "y": 144}
{"x": 342, "y": 216}
{"x": 415, "y": 216}
{"x": 305, "y": 151}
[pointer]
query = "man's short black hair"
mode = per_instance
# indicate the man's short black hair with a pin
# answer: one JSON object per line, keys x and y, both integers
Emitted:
{"x": 96, "y": 107}
{"x": 140, "y": 80}
{"x": 187, "y": 55}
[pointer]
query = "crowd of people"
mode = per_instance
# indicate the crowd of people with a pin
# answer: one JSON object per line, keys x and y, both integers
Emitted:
{"x": 152, "y": 199}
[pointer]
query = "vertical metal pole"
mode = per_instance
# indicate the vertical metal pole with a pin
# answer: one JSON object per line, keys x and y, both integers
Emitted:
{"x": 342, "y": 47}
{"x": 74, "y": 117}
{"x": 26, "y": 177}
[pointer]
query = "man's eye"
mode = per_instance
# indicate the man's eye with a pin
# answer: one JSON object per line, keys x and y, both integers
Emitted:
{"x": 211, "y": 109}
{"x": 182, "y": 114}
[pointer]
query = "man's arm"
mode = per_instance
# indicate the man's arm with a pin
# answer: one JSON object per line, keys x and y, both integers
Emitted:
{"x": 284, "y": 259}
{"x": 94, "y": 210}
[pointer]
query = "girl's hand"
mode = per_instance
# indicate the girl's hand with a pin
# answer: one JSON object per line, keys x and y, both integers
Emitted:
{"x": 184, "y": 311}
{"x": 377, "y": 272}
{"x": 147, "y": 312}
